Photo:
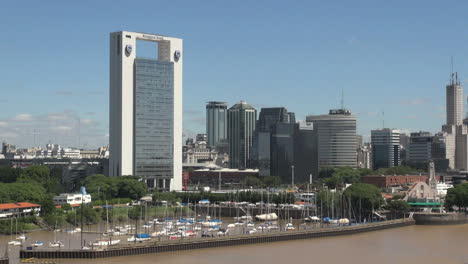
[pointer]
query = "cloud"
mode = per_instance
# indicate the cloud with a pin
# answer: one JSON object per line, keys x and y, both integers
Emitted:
{"x": 66, "y": 128}
{"x": 416, "y": 101}
{"x": 62, "y": 128}
{"x": 23, "y": 117}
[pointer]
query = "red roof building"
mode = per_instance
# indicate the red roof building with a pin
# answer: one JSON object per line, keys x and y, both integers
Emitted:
{"x": 21, "y": 209}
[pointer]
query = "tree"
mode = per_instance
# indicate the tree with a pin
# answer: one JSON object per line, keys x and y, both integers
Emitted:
{"x": 457, "y": 196}
{"x": 9, "y": 174}
{"x": 251, "y": 181}
{"x": 271, "y": 181}
{"x": 364, "y": 197}
{"x": 398, "y": 207}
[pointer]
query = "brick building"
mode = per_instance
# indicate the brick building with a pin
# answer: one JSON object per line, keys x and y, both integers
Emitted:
{"x": 384, "y": 181}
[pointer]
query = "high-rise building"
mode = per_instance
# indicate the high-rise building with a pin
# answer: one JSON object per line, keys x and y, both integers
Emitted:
{"x": 261, "y": 145}
{"x": 241, "y": 125}
{"x": 454, "y": 102}
{"x": 420, "y": 148}
{"x": 335, "y": 139}
{"x": 456, "y": 138}
{"x": 216, "y": 122}
{"x": 385, "y": 148}
{"x": 305, "y": 162}
{"x": 145, "y": 130}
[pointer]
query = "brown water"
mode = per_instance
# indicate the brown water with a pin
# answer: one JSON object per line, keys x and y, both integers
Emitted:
{"x": 412, "y": 244}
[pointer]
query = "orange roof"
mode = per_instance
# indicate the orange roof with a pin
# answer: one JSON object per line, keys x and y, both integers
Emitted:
{"x": 17, "y": 205}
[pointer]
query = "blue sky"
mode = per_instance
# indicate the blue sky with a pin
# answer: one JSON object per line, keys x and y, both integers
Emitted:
{"x": 387, "y": 56}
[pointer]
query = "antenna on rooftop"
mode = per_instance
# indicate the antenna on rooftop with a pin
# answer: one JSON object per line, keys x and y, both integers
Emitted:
{"x": 383, "y": 119}
{"x": 342, "y": 98}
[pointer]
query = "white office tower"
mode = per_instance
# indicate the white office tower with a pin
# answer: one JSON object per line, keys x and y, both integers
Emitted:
{"x": 336, "y": 139}
{"x": 145, "y": 130}
{"x": 454, "y": 101}
{"x": 457, "y": 134}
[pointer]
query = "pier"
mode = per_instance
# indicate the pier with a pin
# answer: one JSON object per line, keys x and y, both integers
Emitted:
{"x": 198, "y": 243}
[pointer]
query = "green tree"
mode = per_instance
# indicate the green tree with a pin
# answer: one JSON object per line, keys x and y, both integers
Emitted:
{"x": 364, "y": 198}
{"x": 457, "y": 196}
{"x": 9, "y": 174}
{"x": 251, "y": 181}
{"x": 398, "y": 207}
{"x": 271, "y": 181}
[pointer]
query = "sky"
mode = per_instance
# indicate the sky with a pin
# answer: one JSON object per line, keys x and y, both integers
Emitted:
{"x": 391, "y": 57}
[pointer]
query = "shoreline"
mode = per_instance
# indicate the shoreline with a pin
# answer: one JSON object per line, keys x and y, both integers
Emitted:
{"x": 168, "y": 246}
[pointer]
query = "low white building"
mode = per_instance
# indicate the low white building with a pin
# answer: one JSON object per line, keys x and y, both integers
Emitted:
{"x": 73, "y": 199}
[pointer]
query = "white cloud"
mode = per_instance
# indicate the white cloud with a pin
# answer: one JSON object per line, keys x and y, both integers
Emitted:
{"x": 23, "y": 117}
{"x": 62, "y": 128}
{"x": 3, "y": 124}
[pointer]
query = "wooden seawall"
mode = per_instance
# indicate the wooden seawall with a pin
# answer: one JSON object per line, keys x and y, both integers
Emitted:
{"x": 189, "y": 244}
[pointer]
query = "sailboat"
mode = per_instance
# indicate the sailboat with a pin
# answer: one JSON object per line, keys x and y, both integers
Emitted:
{"x": 56, "y": 244}
{"x": 14, "y": 242}
{"x": 267, "y": 217}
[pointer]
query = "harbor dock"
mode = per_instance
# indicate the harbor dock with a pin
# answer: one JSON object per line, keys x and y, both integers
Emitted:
{"x": 198, "y": 243}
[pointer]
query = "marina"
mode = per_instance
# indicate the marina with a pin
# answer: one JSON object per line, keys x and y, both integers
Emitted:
{"x": 198, "y": 243}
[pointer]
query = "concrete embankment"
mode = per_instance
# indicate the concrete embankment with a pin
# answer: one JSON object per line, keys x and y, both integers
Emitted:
{"x": 440, "y": 218}
{"x": 198, "y": 243}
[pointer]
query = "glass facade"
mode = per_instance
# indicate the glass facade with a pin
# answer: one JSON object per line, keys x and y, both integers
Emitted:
{"x": 154, "y": 120}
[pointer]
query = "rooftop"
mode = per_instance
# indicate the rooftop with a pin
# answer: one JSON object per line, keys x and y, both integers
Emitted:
{"x": 17, "y": 205}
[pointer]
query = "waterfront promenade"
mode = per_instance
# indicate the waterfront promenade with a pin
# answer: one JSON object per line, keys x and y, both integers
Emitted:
{"x": 197, "y": 243}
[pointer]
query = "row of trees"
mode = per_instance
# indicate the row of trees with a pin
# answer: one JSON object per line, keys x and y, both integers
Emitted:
{"x": 105, "y": 188}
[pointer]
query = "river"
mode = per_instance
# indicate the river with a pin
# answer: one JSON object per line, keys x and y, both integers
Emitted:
{"x": 412, "y": 244}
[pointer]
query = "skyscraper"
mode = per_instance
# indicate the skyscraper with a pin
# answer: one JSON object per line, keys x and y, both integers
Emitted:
{"x": 335, "y": 139}
{"x": 454, "y": 102}
{"x": 241, "y": 125}
{"x": 420, "y": 148}
{"x": 385, "y": 148}
{"x": 262, "y": 149}
{"x": 145, "y": 130}
{"x": 456, "y": 138}
{"x": 216, "y": 122}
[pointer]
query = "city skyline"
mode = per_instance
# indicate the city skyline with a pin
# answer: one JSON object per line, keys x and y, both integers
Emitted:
{"x": 396, "y": 66}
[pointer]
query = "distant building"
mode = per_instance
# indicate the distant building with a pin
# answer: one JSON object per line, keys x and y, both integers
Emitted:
{"x": 201, "y": 138}
{"x": 364, "y": 156}
{"x": 241, "y": 125}
{"x": 385, "y": 148}
{"x": 73, "y": 199}
{"x": 420, "y": 148}
{"x": 22, "y": 209}
{"x": 385, "y": 181}
{"x": 216, "y": 122}
{"x": 212, "y": 177}
{"x": 305, "y": 161}
{"x": 70, "y": 153}
{"x": 265, "y": 142}
{"x": 336, "y": 139}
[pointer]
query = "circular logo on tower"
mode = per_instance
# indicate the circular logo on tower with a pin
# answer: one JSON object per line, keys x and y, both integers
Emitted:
{"x": 128, "y": 49}
{"x": 177, "y": 55}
